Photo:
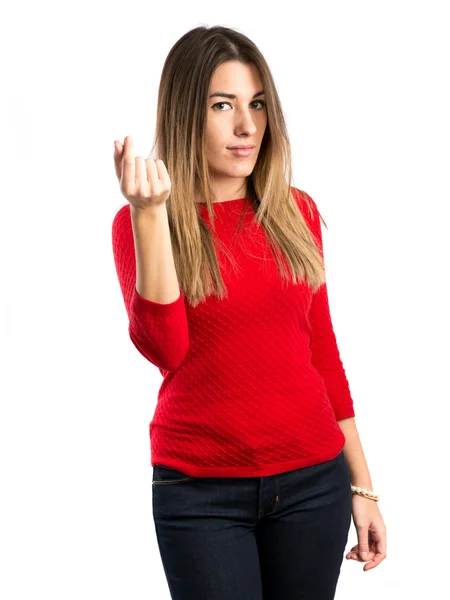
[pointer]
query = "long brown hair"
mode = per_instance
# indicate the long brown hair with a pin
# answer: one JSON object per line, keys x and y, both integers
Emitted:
{"x": 180, "y": 142}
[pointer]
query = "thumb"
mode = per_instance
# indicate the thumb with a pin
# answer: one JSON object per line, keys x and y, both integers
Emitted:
{"x": 363, "y": 544}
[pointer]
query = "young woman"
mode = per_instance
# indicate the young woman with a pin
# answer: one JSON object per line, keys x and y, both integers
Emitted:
{"x": 254, "y": 446}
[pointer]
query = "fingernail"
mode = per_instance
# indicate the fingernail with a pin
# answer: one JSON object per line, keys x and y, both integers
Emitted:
{"x": 364, "y": 554}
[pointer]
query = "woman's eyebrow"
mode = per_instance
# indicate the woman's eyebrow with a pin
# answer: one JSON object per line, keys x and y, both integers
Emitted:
{"x": 232, "y": 96}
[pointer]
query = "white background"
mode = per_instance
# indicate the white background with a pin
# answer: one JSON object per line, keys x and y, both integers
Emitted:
{"x": 365, "y": 90}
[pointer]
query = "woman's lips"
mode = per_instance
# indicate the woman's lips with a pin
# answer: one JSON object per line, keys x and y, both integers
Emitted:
{"x": 241, "y": 151}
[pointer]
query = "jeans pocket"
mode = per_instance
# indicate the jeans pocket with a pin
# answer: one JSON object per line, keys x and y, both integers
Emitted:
{"x": 163, "y": 475}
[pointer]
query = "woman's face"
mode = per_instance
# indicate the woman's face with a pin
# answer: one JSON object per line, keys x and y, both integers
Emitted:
{"x": 240, "y": 120}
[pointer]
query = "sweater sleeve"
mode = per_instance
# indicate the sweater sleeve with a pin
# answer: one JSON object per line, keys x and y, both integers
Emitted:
{"x": 158, "y": 331}
{"x": 324, "y": 349}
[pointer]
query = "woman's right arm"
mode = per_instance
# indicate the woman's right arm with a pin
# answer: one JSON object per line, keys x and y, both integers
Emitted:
{"x": 145, "y": 268}
{"x": 156, "y": 277}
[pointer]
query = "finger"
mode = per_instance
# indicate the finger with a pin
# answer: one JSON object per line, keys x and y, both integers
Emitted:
{"x": 118, "y": 151}
{"x": 370, "y": 565}
{"x": 128, "y": 166}
{"x": 356, "y": 556}
{"x": 355, "y": 552}
{"x": 381, "y": 545}
{"x": 375, "y": 562}
{"x": 141, "y": 175}
{"x": 162, "y": 172}
{"x": 152, "y": 172}
{"x": 363, "y": 542}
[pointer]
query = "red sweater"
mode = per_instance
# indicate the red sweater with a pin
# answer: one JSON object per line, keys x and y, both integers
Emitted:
{"x": 253, "y": 384}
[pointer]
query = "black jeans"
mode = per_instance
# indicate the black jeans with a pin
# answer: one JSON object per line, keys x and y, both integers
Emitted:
{"x": 279, "y": 537}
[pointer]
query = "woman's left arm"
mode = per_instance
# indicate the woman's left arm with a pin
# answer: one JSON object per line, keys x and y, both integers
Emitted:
{"x": 369, "y": 524}
{"x": 354, "y": 455}
{"x": 325, "y": 357}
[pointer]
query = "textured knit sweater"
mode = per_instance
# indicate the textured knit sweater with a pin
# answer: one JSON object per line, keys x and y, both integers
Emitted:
{"x": 253, "y": 384}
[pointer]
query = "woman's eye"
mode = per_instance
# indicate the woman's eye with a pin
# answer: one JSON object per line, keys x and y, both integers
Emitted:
{"x": 256, "y": 102}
